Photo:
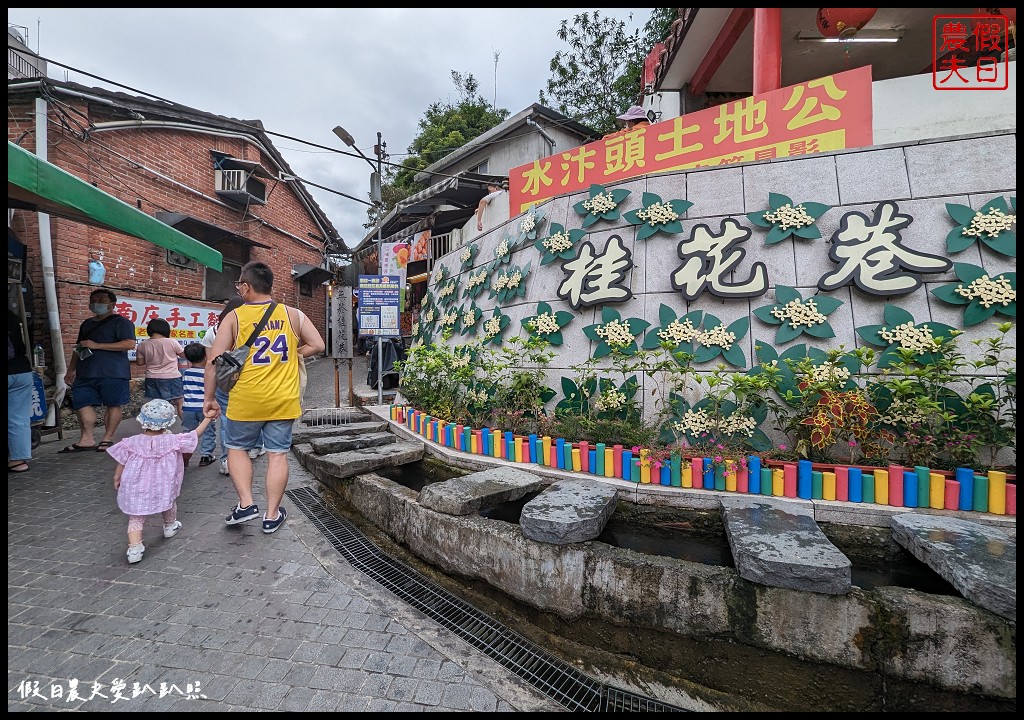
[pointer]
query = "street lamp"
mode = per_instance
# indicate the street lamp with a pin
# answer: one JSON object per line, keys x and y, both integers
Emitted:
{"x": 346, "y": 137}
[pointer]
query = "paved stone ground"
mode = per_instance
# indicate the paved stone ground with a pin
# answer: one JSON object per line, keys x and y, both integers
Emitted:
{"x": 234, "y": 618}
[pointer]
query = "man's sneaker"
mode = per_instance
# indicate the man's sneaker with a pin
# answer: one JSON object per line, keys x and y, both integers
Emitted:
{"x": 256, "y": 452}
{"x": 135, "y": 552}
{"x": 224, "y": 467}
{"x": 207, "y": 460}
{"x": 270, "y": 526}
{"x": 241, "y": 514}
{"x": 172, "y": 530}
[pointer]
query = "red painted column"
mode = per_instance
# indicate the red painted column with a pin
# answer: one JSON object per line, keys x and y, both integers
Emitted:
{"x": 767, "y": 49}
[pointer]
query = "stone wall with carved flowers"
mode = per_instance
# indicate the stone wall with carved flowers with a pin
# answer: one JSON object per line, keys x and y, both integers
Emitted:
{"x": 880, "y": 247}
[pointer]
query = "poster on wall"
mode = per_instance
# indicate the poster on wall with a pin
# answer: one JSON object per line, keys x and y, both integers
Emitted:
{"x": 396, "y": 264}
{"x": 420, "y": 247}
{"x": 188, "y": 322}
{"x": 822, "y": 115}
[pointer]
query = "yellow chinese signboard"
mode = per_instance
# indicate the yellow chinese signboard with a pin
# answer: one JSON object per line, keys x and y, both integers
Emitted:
{"x": 830, "y": 113}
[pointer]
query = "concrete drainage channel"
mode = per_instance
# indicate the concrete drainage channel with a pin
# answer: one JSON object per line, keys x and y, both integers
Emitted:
{"x": 559, "y": 681}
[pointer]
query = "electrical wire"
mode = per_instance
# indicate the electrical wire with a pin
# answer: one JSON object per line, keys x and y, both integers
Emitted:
{"x": 242, "y": 123}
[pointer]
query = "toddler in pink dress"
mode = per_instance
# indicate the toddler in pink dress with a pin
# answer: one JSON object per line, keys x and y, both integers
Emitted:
{"x": 150, "y": 469}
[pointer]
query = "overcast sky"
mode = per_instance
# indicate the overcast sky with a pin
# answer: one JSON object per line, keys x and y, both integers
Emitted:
{"x": 302, "y": 71}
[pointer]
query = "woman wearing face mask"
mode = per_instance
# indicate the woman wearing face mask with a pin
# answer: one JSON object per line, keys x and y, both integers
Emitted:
{"x": 99, "y": 371}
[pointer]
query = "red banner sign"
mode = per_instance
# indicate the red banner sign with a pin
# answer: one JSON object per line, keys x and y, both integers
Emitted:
{"x": 830, "y": 113}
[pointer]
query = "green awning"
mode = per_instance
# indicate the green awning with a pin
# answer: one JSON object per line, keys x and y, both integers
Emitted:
{"x": 34, "y": 184}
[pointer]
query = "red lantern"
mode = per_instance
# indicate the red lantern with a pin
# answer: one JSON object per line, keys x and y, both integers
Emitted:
{"x": 843, "y": 22}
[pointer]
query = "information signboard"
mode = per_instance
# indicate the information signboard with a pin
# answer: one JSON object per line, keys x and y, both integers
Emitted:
{"x": 379, "y": 300}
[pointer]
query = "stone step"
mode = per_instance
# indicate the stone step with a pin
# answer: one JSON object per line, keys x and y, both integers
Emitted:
{"x": 978, "y": 560}
{"x": 778, "y": 543}
{"x": 569, "y": 511}
{"x": 469, "y": 493}
{"x": 341, "y": 465}
{"x": 306, "y": 434}
{"x": 345, "y": 443}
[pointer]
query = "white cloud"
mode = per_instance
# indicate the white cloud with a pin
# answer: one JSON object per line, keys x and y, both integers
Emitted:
{"x": 302, "y": 71}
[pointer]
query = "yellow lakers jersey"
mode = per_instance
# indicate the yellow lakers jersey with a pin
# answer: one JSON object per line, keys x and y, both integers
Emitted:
{"x": 268, "y": 387}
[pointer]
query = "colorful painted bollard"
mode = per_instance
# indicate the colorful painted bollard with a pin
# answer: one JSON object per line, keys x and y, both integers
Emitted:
{"x": 997, "y": 492}
{"x": 965, "y": 477}
{"x": 910, "y": 488}
{"x": 754, "y": 475}
{"x": 867, "y": 487}
{"x": 856, "y": 484}
{"x": 892, "y": 485}
{"x": 882, "y": 486}
{"x": 896, "y": 485}
{"x": 803, "y": 479}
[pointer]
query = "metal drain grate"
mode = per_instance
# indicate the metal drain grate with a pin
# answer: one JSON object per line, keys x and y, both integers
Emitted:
{"x": 556, "y": 679}
{"x": 317, "y": 417}
{"x": 616, "y": 700}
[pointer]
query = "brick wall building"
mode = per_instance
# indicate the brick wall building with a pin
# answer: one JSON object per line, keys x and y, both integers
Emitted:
{"x": 216, "y": 179}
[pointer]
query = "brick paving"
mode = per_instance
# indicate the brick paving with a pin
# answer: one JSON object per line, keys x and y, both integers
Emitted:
{"x": 216, "y": 618}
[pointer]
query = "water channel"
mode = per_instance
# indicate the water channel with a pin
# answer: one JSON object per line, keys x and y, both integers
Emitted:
{"x": 679, "y": 669}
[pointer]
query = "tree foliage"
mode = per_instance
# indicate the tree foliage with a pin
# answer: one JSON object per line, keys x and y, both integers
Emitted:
{"x": 444, "y": 128}
{"x": 599, "y": 76}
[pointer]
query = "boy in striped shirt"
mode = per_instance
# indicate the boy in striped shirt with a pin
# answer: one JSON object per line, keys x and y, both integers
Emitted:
{"x": 192, "y": 408}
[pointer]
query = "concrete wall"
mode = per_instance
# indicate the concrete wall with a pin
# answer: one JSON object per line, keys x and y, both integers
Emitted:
{"x": 896, "y": 633}
{"x": 921, "y": 177}
{"x": 528, "y": 146}
{"x": 939, "y": 114}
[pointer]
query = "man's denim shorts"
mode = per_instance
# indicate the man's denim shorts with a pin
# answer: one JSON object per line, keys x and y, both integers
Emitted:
{"x": 163, "y": 388}
{"x": 108, "y": 392}
{"x": 245, "y": 434}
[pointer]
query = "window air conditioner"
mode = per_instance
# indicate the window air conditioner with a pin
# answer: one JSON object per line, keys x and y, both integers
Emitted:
{"x": 240, "y": 186}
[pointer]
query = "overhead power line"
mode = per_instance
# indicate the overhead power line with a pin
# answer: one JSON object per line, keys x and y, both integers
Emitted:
{"x": 242, "y": 123}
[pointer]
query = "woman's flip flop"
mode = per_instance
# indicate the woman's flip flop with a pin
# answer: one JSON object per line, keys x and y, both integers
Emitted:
{"x": 19, "y": 467}
{"x": 75, "y": 447}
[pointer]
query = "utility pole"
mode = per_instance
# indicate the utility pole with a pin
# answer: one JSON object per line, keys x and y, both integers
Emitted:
{"x": 378, "y": 150}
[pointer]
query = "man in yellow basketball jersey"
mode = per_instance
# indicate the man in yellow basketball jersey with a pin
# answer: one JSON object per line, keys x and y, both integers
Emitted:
{"x": 265, "y": 401}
